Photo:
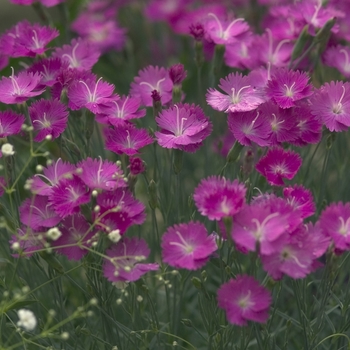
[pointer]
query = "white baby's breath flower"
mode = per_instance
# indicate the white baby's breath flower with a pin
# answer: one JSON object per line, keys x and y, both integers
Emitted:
{"x": 53, "y": 233}
{"x": 114, "y": 236}
{"x": 7, "y": 150}
{"x": 27, "y": 319}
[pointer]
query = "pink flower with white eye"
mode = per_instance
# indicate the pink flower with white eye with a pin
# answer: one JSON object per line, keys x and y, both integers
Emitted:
{"x": 80, "y": 54}
{"x": 26, "y": 39}
{"x": 338, "y": 57}
{"x": 101, "y": 174}
{"x": 248, "y": 127}
{"x": 124, "y": 261}
{"x": 183, "y": 126}
{"x": 223, "y": 32}
{"x": 18, "y": 89}
{"x": 241, "y": 96}
{"x": 217, "y": 197}
{"x": 150, "y": 79}
{"x": 287, "y": 86}
{"x": 68, "y": 195}
{"x": 244, "y": 299}
{"x": 49, "y": 117}
{"x": 187, "y": 246}
{"x": 76, "y": 232}
{"x": 264, "y": 223}
{"x": 126, "y": 108}
{"x": 10, "y": 123}
{"x": 335, "y": 223}
{"x": 127, "y": 139}
{"x": 278, "y": 164}
{"x": 91, "y": 94}
{"x": 301, "y": 199}
{"x": 331, "y": 105}
{"x": 42, "y": 184}
{"x": 37, "y": 212}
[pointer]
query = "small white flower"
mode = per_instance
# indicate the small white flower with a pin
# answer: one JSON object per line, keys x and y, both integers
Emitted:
{"x": 7, "y": 150}
{"x": 53, "y": 233}
{"x": 114, "y": 236}
{"x": 27, "y": 319}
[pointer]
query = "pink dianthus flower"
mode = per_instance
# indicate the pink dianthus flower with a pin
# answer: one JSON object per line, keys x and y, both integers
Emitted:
{"x": 278, "y": 164}
{"x": 187, "y": 246}
{"x": 10, "y": 123}
{"x": 244, "y": 299}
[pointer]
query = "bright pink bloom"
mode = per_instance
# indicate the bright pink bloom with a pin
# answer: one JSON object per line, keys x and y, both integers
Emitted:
{"x": 17, "y": 89}
{"x": 244, "y": 299}
{"x": 224, "y": 32}
{"x": 240, "y": 95}
{"x": 49, "y": 69}
{"x": 217, "y": 197}
{"x": 123, "y": 263}
{"x": 338, "y": 57}
{"x": 183, "y": 126}
{"x": 127, "y": 139}
{"x": 91, "y": 94}
{"x": 301, "y": 199}
{"x": 278, "y": 164}
{"x": 331, "y": 105}
{"x": 37, "y": 212}
{"x": 126, "y": 108}
{"x": 101, "y": 174}
{"x": 52, "y": 175}
{"x": 297, "y": 255}
{"x": 240, "y": 54}
{"x": 68, "y": 195}
{"x": 264, "y": 222}
{"x": 286, "y": 87}
{"x": 335, "y": 223}
{"x": 187, "y": 246}
{"x": 10, "y": 123}
{"x": 119, "y": 210}
{"x": 76, "y": 233}
{"x": 80, "y": 54}
{"x": 149, "y": 79}
{"x": 49, "y": 117}
{"x": 26, "y": 39}
{"x": 248, "y": 127}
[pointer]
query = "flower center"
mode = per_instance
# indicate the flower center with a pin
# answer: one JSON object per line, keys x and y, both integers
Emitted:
{"x": 337, "y": 107}
{"x": 235, "y": 97}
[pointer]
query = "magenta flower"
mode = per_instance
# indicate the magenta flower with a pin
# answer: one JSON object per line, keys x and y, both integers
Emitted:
{"x": 68, "y": 195}
{"x": 136, "y": 166}
{"x": 10, "y": 123}
{"x": 338, "y": 57}
{"x": 248, "y": 127}
{"x": 278, "y": 164}
{"x": 217, "y": 197}
{"x": 52, "y": 175}
{"x": 123, "y": 263}
{"x": 37, "y": 212}
{"x": 296, "y": 257}
{"x": 331, "y": 105}
{"x": 119, "y": 210}
{"x": 26, "y": 39}
{"x": 265, "y": 222}
{"x": 244, "y": 299}
{"x": 29, "y": 241}
{"x": 150, "y": 79}
{"x": 335, "y": 223}
{"x": 127, "y": 139}
{"x": 301, "y": 199}
{"x": 287, "y": 86}
{"x": 126, "y": 108}
{"x": 80, "y": 54}
{"x": 183, "y": 126}
{"x": 49, "y": 69}
{"x": 18, "y": 89}
{"x": 76, "y": 233}
{"x": 101, "y": 174}
{"x": 224, "y": 32}
{"x": 90, "y": 94}
{"x": 49, "y": 117}
{"x": 187, "y": 246}
{"x": 240, "y": 95}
